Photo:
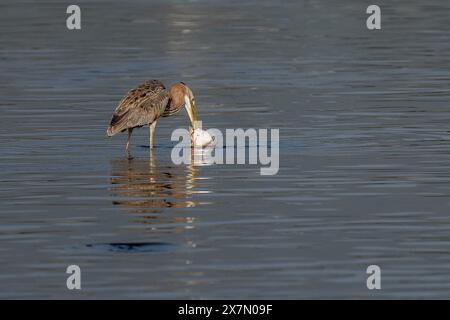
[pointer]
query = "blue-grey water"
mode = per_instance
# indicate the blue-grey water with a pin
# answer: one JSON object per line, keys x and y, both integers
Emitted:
{"x": 364, "y": 150}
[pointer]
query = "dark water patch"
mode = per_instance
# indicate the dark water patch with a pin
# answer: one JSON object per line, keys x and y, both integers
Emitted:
{"x": 133, "y": 247}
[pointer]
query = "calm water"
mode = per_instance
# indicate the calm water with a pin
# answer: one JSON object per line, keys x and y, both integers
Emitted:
{"x": 364, "y": 151}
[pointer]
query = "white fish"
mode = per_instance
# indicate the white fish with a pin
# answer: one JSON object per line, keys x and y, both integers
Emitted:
{"x": 201, "y": 138}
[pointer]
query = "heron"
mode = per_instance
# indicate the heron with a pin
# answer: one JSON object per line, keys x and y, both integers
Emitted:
{"x": 148, "y": 102}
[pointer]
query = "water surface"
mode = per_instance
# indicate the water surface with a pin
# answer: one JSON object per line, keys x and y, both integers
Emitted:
{"x": 364, "y": 151}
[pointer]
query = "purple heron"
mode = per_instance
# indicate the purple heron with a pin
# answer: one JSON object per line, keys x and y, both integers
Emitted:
{"x": 146, "y": 103}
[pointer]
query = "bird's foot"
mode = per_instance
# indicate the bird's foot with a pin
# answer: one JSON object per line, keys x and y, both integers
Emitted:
{"x": 128, "y": 155}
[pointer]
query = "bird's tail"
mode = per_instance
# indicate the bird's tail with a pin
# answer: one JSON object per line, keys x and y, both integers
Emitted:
{"x": 117, "y": 124}
{"x": 110, "y": 131}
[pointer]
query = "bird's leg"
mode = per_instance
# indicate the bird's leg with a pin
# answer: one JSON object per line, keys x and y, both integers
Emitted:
{"x": 152, "y": 132}
{"x": 129, "y": 139}
{"x": 152, "y": 165}
{"x": 130, "y": 131}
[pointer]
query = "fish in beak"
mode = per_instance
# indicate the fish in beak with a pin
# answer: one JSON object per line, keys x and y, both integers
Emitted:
{"x": 201, "y": 138}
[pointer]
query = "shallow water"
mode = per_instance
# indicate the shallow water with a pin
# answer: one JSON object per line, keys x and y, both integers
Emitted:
{"x": 364, "y": 151}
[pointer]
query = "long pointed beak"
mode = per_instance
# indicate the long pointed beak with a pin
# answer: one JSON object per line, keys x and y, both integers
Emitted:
{"x": 192, "y": 112}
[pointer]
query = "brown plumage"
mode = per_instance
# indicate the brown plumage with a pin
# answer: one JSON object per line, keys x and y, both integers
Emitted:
{"x": 146, "y": 103}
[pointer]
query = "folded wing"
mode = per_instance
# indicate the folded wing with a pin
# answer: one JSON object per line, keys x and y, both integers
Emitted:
{"x": 140, "y": 106}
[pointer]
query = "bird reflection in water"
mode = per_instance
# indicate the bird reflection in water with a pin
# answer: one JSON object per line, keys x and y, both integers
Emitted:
{"x": 147, "y": 190}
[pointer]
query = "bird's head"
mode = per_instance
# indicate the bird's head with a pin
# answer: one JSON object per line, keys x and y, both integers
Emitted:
{"x": 182, "y": 95}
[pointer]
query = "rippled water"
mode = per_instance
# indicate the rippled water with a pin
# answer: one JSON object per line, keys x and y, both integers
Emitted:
{"x": 364, "y": 151}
